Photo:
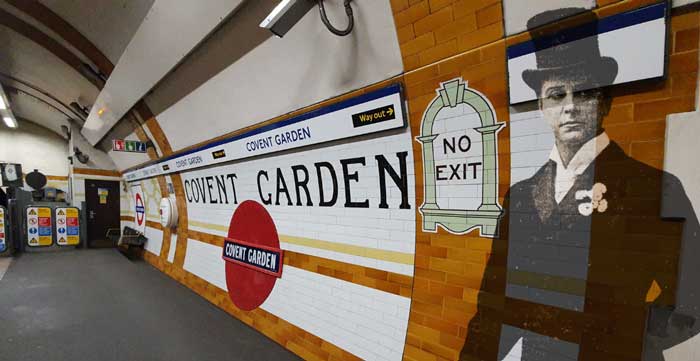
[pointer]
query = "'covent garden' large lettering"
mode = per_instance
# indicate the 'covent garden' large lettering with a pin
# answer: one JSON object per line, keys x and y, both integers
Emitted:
{"x": 460, "y": 165}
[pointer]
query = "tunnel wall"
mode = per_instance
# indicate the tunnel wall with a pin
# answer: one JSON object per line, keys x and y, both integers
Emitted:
{"x": 416, "y": 297}
{"x": 35, "y": 148}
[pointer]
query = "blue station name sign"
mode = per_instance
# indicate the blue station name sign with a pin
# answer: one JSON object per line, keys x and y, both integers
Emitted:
{"x": 369, "y": 113}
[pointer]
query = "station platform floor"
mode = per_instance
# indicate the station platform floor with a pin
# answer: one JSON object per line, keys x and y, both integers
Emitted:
{"x": 98, "y": 305}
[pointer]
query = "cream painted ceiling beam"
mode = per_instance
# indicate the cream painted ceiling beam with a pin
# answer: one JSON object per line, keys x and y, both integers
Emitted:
{"x": 170, "y": 31}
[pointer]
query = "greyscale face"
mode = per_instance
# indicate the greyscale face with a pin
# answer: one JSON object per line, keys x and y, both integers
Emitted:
{"x": 574, "y": 116}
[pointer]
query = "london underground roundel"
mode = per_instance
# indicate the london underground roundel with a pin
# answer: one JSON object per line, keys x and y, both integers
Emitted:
{"x": 140, "y": 209}
{"x": 252, "y": 255}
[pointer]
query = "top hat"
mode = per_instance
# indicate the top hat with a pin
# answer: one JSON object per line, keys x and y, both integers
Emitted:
{"x": 558, "y": 56}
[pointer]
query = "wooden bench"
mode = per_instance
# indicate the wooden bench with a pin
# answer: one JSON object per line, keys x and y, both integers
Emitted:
{"x": 130, "y": 243}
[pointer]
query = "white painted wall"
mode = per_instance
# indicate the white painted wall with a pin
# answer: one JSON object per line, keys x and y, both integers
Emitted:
{"x": 98, "y": 158}
{"x": 682, "y": 133}
{"x": 34, "y": 147}
{"x": 680, "y": 159}
{"x": 280, "y": 75}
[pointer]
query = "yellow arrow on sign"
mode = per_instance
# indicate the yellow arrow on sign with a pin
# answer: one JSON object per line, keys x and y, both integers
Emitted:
{"x": 390, "y": 111}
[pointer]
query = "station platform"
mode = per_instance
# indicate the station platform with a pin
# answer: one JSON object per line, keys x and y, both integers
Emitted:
{"x": 98, "y": 305}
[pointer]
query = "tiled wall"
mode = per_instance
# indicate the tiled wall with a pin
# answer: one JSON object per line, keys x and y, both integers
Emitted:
{"x": 420, "y": 312}
{"x": 449, "y": 268}
{"x": 433, "y": 30}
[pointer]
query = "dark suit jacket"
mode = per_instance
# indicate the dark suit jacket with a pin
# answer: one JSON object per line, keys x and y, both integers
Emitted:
{"x": 3, "y": 198}
{"x": 632, "y": 257}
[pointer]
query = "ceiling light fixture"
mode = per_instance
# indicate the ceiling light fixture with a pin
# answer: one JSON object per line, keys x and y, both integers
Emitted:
{"x": 10, "y": 122}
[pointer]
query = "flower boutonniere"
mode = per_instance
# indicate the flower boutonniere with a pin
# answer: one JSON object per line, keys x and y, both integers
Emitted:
{"x": 596, "y": 199}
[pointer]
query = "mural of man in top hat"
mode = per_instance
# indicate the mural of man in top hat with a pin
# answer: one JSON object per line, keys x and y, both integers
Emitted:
{"x": 587, "y": 265}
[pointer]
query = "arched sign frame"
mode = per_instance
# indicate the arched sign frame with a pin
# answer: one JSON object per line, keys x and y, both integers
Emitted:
{"x": 460, "y": 221}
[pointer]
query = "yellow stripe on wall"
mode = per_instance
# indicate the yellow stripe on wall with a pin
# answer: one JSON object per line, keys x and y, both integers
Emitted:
{"x": 210, "y": 226}
{"x": 367, "y": 252}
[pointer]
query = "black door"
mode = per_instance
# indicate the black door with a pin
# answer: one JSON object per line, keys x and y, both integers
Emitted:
{"x": 102, "y": 203}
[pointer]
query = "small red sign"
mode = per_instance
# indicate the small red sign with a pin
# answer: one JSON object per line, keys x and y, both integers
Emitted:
{"x": 72, "y": 222}
{"x": 118, "y": 145}
{"x": 44, "y": 222}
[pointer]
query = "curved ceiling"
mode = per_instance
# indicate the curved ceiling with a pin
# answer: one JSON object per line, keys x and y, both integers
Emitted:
{"x": 32, "y": 63}
{"x": 108, "y": 24}
{"x": 30, "y": 108}
{"x": 44, "y": 71}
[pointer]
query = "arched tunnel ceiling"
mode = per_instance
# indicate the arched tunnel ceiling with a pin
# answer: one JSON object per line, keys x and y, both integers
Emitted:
{"x": 28, "y": 61}
{"x": 37, "y": 70}
{"x": 19, "y": 14}
{"x": 31, "y": 109}
{"x": 108, "y": 24}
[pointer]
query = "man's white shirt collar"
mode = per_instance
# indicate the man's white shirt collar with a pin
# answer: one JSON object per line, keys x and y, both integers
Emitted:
{"x": 566, "y": 176}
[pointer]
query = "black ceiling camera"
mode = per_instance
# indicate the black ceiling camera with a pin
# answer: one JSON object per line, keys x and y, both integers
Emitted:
{"x": 285, "y": 15}
{"x": 82, "y": 157}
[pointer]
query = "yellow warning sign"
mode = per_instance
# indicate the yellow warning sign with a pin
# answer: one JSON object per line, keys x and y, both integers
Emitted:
{"x": 44, "y": 212}
{"x": 45, "y": 241}
{"x": 73, "y": 241}
{"x": 67, "y": 226}
{"x": 39, "y": 226}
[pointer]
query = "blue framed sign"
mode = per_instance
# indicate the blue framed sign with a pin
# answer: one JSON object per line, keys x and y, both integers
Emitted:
{"x": 369, "y": 113}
